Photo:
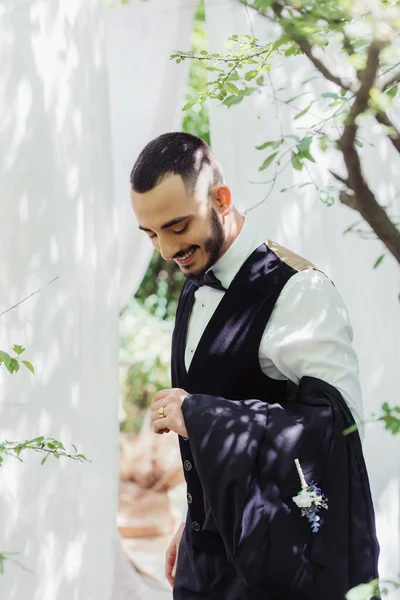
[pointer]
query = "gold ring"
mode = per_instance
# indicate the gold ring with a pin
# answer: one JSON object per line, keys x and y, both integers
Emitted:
{"x": 161, "y": 412}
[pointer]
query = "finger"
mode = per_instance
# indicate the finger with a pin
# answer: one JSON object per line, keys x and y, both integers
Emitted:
{"x": 155, "y": 415}
{"x": 160, "y": 424}
{"x": 160, "y": 403}
{"x": 170, "y": 561}
{"x": 161, "y": 394}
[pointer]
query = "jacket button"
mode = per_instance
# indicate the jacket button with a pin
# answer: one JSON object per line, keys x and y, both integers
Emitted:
{"x": 189, "y": 498}
{"x": 196, "y": 526}
{"x": 188, "y": 465}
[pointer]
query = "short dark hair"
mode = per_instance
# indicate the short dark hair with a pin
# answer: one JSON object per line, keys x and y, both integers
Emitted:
{"x": 175, "y": 153}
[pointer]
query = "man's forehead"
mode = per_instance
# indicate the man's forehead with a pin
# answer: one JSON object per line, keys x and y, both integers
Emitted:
{"x": 167, "y": 201}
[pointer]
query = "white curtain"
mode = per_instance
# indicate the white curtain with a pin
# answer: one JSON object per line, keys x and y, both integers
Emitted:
{"x": 299, "y": 220}
{"x": 64, "y": 207}
{"x": 146, "y": 98}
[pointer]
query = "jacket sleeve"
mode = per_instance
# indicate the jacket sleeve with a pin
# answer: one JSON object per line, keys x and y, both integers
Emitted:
{"x": 244, "y": 453}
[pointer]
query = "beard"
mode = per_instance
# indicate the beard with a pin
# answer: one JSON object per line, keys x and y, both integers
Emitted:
{"x": 213, "y": 245}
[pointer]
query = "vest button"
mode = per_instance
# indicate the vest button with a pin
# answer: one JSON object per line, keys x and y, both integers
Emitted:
{"x": 188, "y": 465}
{"x": 185, "y": 439}
{"x": 196, "y": 526}
{"x": 189, "y": 498}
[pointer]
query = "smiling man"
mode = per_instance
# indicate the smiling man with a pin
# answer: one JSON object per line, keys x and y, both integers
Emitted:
{"x": 265, "y": 380}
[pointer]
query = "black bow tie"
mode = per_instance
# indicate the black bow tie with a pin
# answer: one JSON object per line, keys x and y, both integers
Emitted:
{"x": 210, "y": 280}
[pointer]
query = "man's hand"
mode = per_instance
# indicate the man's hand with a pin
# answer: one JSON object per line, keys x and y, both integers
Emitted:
{"x": 170, "y": 401}
{"x": 172, "y": 555}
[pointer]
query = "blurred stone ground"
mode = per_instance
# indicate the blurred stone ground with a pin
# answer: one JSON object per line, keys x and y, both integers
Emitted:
{"x": 151, "y": 499}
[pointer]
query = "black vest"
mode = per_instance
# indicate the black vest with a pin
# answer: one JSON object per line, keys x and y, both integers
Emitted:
{"x": 226, "y": 361}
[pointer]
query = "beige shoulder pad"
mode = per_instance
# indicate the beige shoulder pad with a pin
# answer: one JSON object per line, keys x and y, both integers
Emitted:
{"x": 290, "y": 258}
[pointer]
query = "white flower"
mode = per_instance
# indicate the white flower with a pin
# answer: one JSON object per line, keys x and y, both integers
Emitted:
{"x": 304, "y": 499}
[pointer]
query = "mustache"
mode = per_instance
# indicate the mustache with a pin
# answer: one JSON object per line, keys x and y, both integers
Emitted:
{"x": 183, "y": 252}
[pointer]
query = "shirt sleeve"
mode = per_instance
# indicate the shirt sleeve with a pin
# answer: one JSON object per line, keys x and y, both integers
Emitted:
{"x": 309, "y": 333}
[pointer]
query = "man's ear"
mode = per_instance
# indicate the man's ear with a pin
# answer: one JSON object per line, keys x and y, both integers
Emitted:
{"x": 221, "y": 196}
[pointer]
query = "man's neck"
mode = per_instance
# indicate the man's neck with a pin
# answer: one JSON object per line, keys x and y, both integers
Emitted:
{"x": 232, "y": 230}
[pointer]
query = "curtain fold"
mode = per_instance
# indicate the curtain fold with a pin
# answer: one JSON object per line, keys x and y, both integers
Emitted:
{"x": 71, "y": 125}
{"x": 146, "y": 95}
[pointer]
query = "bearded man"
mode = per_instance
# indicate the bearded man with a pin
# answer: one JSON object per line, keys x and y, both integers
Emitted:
{"x": 265, "y": 380}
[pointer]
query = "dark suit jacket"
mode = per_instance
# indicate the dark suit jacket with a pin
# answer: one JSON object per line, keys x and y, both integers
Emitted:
{"x": 244, "y": 452}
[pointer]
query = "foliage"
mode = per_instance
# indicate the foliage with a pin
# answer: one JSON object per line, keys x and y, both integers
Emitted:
{"x": 145, "y": 353}
{"x": 196, "y": 120}
{"x": 390, "y": 417}
{"x": 12, "y": 364}
{"x": 39, "y": 444}
{"x": 160, "y": 288}
{"x": 366, "y": 591}
{"x": 366, "y": 39}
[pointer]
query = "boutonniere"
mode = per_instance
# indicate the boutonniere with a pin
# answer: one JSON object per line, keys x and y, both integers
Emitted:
{"x": 310, "y": 499}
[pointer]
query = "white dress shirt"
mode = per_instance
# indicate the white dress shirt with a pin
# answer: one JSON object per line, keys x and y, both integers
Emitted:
{"x": 308, "y": 333}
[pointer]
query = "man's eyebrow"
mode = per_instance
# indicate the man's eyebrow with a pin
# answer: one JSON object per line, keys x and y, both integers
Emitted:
{"x": 169, "y": 224}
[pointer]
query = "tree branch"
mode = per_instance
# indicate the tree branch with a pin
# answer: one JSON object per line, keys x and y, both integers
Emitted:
{"x": 364, "y": 200}
{"x": 391, "y": 81}
{"x": 394, "y": 137}
{"x": 306, "y": 48}
{"x": 27, "y": 298}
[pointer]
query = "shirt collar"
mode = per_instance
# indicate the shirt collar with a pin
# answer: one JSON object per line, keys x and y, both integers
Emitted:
{"x": 229, "y": 264}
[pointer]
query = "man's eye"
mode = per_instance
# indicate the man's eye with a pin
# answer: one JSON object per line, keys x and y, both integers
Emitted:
{"x": 152, "y": 236}
{"x": 181, "y": 230}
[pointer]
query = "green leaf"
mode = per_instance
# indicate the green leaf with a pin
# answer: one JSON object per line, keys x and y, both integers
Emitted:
{"x": 75, "y": 448}
{"x": 308, "y": 156}
{"x": 305, "y": 144}
{"x": 291, "y": 50}
{"x": 393, "y": 91}
{"x": 36, "y": 440}
{"x": 268, "y": 161}
{"x": 295, "y": 97}
{"x": 350, "y": 429}
{"x": 28, "y": 366}
{"x": 324, "y": 143}
{"x": 189, "y": 104}
{"x": 82, "y": 456}
{"x": 5, "y": 357}
{"x": 231, "y": 88}
{"x": 44, "y": 459}
{"x": 15, "y": 364}
{"x": 296, "y": 162}
{"x": 260, "y": 80}
{"x": 379, "y": 260}
{"x": 251, "y": 74}
{"x": 303, "y": 112}
{"x": 18, "y": 349}
{"x": 329, "y": 95}
{"x": 364, "y": 591}
{"x": 203, "y": 52}
{"x": 231, "y": 100}
{"x": 273, "y": 144}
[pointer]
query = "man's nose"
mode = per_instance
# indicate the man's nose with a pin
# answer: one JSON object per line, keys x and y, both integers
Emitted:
{"x": 167, "y": 249}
